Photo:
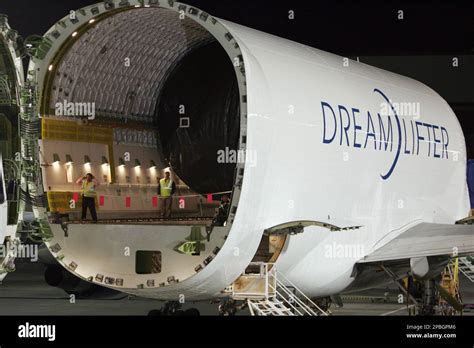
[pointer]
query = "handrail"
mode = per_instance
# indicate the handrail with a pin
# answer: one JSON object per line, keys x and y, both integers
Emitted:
{"x": 299, "y": 291}
{"x": 100, "y": 192}
{"x": 277, "y": 293}
{"x": 467, "y": 264}
{"x": 291, "y": 304}
{"x": 297, "y": 300}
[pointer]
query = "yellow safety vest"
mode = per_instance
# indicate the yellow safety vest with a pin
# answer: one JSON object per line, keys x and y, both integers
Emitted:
{"x": 166, "y": 187}
{"x": 88, "y": 189}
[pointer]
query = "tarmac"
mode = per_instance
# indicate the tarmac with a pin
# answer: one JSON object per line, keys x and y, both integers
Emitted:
{"x": 25, "y": 293}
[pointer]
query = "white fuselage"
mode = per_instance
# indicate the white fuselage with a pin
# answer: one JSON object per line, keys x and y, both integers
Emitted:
{"x": 383, "y": 183}
{"x": 332, "y": 140}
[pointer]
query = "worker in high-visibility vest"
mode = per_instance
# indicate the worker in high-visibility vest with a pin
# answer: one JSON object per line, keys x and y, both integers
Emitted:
{"x": 89, "y": 185}
{"x": 166, "y": 189}
{"x": 221, "y": 215}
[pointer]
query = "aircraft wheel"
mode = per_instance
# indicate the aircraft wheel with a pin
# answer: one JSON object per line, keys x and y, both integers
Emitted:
{"x": 193, "y": 312}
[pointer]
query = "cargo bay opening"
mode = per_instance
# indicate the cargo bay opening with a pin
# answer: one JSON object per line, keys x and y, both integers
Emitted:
{"x": 133, "y": 94}
{"x": 134, "y": 90}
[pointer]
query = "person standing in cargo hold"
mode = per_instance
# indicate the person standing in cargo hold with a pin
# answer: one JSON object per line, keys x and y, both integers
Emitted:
{"x": 166, "y": 189}
{"x": 221, "y": 214}
{"x": 89, "y": 185}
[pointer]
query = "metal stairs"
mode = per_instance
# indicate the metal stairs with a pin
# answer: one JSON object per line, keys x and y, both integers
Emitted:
{"x": 466, "y": 266}
{"x": 269, "y": 293}
{"x": 268, "y": 308}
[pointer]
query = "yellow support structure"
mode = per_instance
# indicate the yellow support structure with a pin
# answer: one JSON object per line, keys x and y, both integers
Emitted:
{"x": 54, "y": 129}
{"x": 60, "y": 202}
{"x": 450, "y": 283}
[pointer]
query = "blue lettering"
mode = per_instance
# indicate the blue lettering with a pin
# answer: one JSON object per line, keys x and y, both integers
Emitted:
{"x": 436, "y": 141}
{"x": 356, "y": 127}
{"x": 344, "y": 128}
{"x": 328, "y": 141}
{"x": 418, "y": 137}
{"x": 445, "y": 141}
{"x": 391, "y": 128}
{"x": 370, "y": 131}
{"x": 406, "y": 138}
{"x": 428, "y": 126}
{"x": 387, "y": 137}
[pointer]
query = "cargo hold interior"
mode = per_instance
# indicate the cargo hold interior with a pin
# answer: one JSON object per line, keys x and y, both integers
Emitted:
{"x": 132, "y": 94}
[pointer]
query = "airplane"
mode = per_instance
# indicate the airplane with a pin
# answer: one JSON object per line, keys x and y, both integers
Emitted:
{"x": 352, "y": 176}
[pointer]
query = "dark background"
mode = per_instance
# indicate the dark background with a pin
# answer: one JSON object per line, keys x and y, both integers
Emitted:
{"x": 422, "y": 45}
{"x": 340, "y": 26}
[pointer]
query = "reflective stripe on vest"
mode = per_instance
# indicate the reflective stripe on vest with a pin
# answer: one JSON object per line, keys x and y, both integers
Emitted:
{"x": 88, "y": 189}
{"x": 166, "y": 187}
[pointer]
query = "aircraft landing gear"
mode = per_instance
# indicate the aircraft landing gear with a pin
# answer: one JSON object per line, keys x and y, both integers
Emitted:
{"x": 425, "y": 295}
{"x": 173, "y": 308}
{"x": 427, "y": 305}
{"x": 229, "y": 307}
{"x": 323, "y": 302}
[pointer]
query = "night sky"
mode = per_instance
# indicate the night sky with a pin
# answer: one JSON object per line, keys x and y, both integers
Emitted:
{"x": 343, "y": 27}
